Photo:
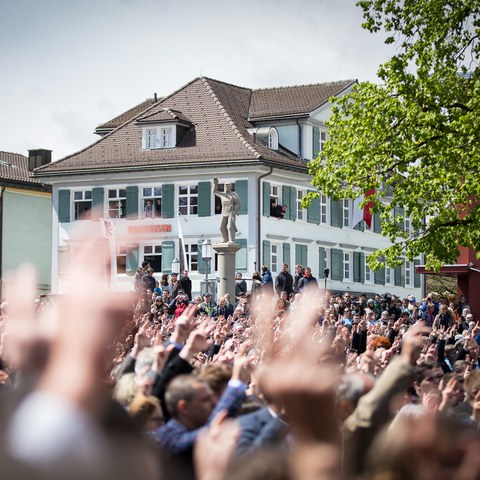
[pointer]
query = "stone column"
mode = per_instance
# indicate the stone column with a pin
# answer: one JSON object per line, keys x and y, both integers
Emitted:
{"x": 226, "y": 268}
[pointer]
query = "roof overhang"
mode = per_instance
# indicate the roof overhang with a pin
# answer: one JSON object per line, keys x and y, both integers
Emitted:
{"x": 448, "y": 270}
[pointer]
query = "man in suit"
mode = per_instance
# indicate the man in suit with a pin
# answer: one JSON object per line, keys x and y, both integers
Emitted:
{"x": 191, "y": 404}
{"x": 259, "y": 429}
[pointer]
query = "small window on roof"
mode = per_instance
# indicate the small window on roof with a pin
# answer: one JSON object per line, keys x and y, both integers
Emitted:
{"x": 273, "y": 139}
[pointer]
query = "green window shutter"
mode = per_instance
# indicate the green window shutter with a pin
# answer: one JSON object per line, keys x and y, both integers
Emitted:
{"x": 204, "y": 199}
{"x": 336, "y": 213}
{"x": 132, "y": 259}
{"x": 316, "y": 142}
{"x": 286, "y": 254}
{"x": 301, "y": 255}
{"x": 362, "y": 267}
{"x": 168, "y": 201}
{"x": 402, "y": 274}
{"x": 266, "y": 199}
{"x": 64, "y": 206}
{"x": 241, "y": 256}
{"x": 377, "y": 224}
{"x": 241, "y": 187}
{"x": 417, "y": 282}
{"x": 398, "y": 276}
{"x": 98, "y": 195}
{"x": 379, "y": 276}
{"x": 337, "y": 264}
{"x": 286, "y": 201}
{"x": 360, "y": 226}
{"x": 313, "y": 211}
{"x": 321, "y": 261}
{"x": 266, "y": 253}
{"x": 132, "y": 203}
{"x": 358, "y": 267}
{"x": 168, "y": 254}
{"x": 202, "y": 264}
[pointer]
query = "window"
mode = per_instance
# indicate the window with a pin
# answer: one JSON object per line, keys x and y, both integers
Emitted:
{"x": 346, "y": 212}
{"x": 191, "y": 252}
{"x": 153, "y": 255}
{"x": 274, "y": 257}
{"x": 368, "y": 274}
{"x": 406, "y": 224}
{"x": 274, "y": 199}
{"x": 324, "y": 210}
{"x": 347, "y": 266}
{"x": 152, "y": 202}
{"x": 188, "y": 200}
{"x": 389, "y": 276}
{"x": 117, "y": 203}
{"x": 301, "y": 215}
{"x": 323, "y": 139}
{"x": 159, "y": 137}
{"x": 408, "y": 273}
{"x": 326, "y": 261}
{"x": 167, "y": 137}
{"x": 151, "y": 138}
{"x": 273, "y": 139}
{"x": 121, "y": 258}
{"x": 82, "y": 205}
{"x": 218, "y": 200}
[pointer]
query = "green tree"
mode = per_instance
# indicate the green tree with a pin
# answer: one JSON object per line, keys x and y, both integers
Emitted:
{"x": 415, "y": 135}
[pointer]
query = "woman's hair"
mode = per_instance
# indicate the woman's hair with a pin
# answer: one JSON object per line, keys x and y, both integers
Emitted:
{"x": 256, "y": 275}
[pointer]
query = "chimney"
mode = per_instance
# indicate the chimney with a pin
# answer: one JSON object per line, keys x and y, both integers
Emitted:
{"x": 38, "y": 157}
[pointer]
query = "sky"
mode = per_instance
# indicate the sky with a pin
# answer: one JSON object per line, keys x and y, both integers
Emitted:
{"x": 68, "y": 66}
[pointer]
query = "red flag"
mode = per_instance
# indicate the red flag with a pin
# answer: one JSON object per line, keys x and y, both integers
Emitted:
{"x": 367, "y": 213}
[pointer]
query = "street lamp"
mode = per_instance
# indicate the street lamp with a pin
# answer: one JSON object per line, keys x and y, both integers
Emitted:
{"x": 176, "y": 265}
{"x": 207, "y": 256}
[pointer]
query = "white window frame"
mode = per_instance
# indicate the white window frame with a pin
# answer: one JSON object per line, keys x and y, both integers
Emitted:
{"x": 324, "y": 210}
{"x": 323, "y": 137}
{"x": 190, "y": 205}
{"x": 191, "y": 254}
{"x": 154, "y": 196}
{"x": 156, "y": 252}
{"x": 275, "y": 249}
{"x": 273, "y": 139}
{"x": 407, "y": 224}
{"x": 121, "y": 253}
{"x": 409, "y": 273}
{"x": 301, "y": 213}
{"x": 119, "y": 197}
{"x": 155, "y": 138}
{"x": 368, "y": 274}
{"x": 346, "y": 212}
{"x": 389, "y": 276}
{"x": 275, "y": 193}
{"x": 347, "y": 264}
{"x": 84, "y": 193}
{"x": 326, "y": 262}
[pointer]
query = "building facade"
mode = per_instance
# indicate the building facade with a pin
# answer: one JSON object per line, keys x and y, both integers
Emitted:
{"x": 151, "y": 174}
{"x": 25, "y": 215}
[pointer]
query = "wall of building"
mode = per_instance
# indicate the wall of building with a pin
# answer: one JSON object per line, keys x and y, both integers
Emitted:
{"x": 27, "y": 230}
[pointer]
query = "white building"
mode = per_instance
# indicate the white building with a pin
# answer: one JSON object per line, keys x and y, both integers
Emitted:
{"x": 152, "y": 170}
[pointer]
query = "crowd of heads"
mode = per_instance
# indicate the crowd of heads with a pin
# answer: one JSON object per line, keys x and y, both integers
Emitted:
{"x": 299, "y": 381}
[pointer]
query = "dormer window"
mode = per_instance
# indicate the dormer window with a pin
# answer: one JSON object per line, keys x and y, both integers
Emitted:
{"x": 159, "y": 137}
{"x": 273, "y": 139}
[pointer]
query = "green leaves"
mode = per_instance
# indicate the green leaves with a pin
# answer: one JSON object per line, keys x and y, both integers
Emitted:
{"x": 415, "y": 137}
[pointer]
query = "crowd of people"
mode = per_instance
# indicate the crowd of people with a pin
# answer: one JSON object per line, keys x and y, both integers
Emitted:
{"x": 284, "y": 381}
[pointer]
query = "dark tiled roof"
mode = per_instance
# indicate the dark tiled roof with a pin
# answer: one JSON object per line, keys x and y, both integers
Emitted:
{"x": 281, "y": 101}
{"x": 218, "y": 113}
{"x": 125, "y": 116}
{"x": 14, "y": 168}
{"x": 165, "y": 115}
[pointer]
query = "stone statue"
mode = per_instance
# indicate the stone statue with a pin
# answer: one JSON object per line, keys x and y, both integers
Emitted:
{"x": 230, "y": 207}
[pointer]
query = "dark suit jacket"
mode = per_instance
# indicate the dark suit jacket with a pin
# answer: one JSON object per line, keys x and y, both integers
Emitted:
{"x": 259, "y": 429}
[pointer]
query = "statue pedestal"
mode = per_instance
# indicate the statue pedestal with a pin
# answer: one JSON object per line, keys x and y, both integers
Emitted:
{"x": 226, "y": 268}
